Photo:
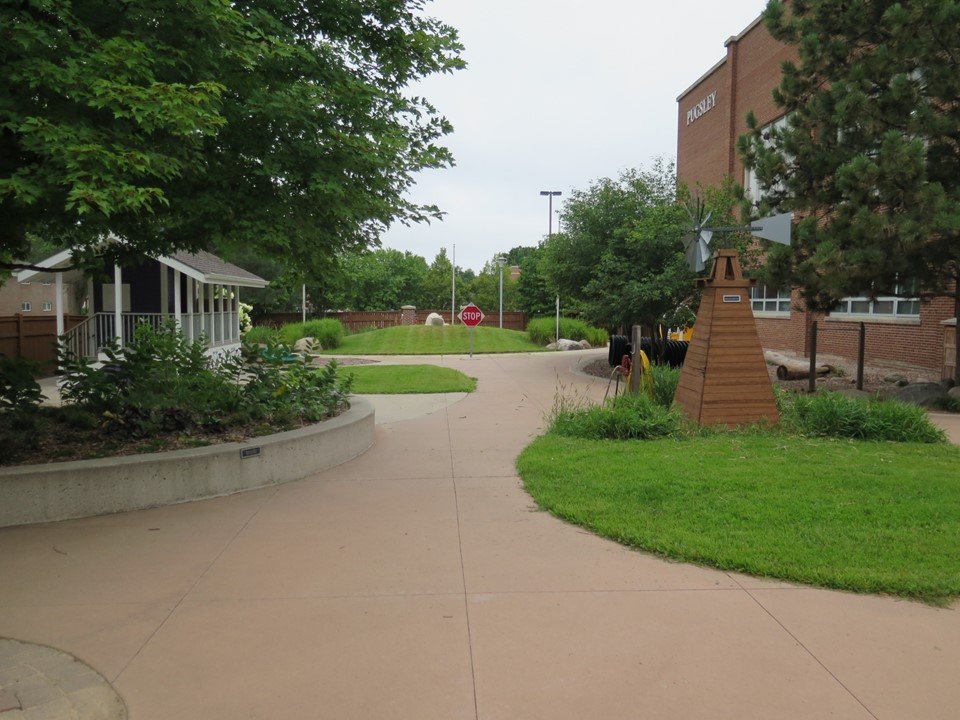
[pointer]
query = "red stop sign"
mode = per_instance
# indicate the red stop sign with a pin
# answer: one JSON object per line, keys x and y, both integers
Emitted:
{"x": 471, "y": 315}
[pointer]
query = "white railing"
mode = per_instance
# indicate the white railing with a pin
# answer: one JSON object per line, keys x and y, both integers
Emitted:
{"x": 218, "y": 328}
{"x": 81, "y": 340}
{"x": 90, "y": 336}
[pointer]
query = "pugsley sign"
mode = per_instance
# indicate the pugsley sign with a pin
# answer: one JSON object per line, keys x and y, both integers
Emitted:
{"x": 702, "y": 107}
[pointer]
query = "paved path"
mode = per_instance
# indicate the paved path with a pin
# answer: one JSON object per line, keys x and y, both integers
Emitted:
{"x": 418, "y": 582}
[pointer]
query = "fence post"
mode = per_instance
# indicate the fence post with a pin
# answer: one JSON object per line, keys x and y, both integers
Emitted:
{"x": 861, "y": 351}
{"x": 20, "y": 334}
{"x": 636, "y": 332}
{"x": 812, "y": 385}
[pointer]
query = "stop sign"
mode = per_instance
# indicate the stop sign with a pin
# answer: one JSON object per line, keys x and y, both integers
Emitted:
{"x": 471, "y": 315}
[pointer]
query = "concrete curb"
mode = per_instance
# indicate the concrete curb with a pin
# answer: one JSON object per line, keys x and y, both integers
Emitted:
{"x": 83, "y": 488}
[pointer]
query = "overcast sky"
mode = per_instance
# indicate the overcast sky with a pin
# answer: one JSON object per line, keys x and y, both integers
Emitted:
{"x": 555, "y": 95}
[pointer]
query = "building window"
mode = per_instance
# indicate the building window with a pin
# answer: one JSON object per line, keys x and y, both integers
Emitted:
{"x": 769, "y": 300}
{"x": 47, "y": 306}
{"x": 25, "y": 306}
{"x": 904, "y": 303}
{"x": 751, "y": 185}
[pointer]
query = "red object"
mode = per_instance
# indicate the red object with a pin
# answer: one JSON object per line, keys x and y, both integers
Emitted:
{"x": 471, "y": 315}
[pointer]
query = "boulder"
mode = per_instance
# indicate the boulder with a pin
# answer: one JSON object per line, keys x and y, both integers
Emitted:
{"x": 565, "y": 344}
{"x": 954, "y": 393}
{"x": 894, "y": 378}
{"x": 584, "y": 345}
{"x": 923, "y": 394}
{"x": 552, "y": 346}
{"x": 434, "y": 319}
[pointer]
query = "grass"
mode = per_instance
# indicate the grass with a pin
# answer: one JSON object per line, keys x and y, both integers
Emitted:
{"x": 402, "y": 379}
{"x": 862, "y": 516}
{"x": 424, "y": 340}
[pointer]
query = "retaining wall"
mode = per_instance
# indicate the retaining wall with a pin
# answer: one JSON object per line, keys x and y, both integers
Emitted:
{"x": 82, "y": 488}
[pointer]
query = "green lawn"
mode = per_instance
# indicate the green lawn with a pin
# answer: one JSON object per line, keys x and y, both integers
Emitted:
{"x": 382, "y": 379}
{"x": 424, "y": 340}
{"x": 863, "y": 516}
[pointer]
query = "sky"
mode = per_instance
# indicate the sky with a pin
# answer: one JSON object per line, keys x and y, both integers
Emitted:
{"x": 556, "y": 95}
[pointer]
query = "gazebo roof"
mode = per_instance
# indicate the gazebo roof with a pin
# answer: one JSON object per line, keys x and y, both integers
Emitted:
{"x": 202, "y": 266}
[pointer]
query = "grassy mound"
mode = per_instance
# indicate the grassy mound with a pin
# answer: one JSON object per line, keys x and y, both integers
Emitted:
{"x": 428, "y": 340}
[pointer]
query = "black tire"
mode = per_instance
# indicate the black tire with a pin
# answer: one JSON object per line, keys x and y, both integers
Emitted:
{"x": 619, "y": 346}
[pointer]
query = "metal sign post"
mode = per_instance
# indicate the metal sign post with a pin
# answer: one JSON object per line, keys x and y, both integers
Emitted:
{"x": 471, "y": 316}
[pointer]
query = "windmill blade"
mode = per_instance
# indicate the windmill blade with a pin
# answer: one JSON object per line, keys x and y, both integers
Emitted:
{"x": 703, "y": 253}
{"x": 775, "y": 228}
{"x": 706, "y": 236}
{"x": 707, "y": 219}
{"x": 691, "y": 247}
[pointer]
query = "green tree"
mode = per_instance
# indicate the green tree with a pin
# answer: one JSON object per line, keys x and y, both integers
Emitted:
{"x": 383, "y": 279}
{"x": 435, "y": 294}
{"x": 279, "y": 125}
{"x": 870, "y": 155}
{"x": 536, "y": 294}
{"x": 620, "y": 257}
{"x": 484, "y": 290}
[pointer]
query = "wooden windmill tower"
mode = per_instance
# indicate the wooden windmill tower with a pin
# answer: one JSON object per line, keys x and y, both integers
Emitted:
{"x": 724, "y": 380}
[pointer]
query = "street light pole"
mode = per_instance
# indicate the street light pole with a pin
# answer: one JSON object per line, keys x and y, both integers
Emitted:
{"x": 550, "y": 195}
{"x": 500, "y": 260}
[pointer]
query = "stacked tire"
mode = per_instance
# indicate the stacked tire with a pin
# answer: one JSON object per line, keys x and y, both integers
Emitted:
{"x": 671, "y": 352}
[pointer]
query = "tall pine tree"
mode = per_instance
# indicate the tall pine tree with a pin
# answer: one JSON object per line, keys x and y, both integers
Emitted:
{"x": 870, "y": 155}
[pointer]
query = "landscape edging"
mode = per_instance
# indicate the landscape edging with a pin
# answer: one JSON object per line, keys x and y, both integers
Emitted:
{"x": 84, "y": 488}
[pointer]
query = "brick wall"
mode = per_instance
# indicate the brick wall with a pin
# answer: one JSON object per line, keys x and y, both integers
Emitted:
{"x": 744, "y": 80}
{"x": 706, "y": 153}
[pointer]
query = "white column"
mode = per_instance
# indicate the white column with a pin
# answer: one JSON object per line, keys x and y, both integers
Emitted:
{"x": 164, "y": 291}
{"x": 209, "y": 316}
{"x": 118, "y": 304}
{"x": 190, "y": 301}
{"x": 236, "y": 322}
{"x": 177, "y": 310}
{"x": 58, "y": 304}
{"x": 222, "y": 308}
{"x": 91, "y": 301}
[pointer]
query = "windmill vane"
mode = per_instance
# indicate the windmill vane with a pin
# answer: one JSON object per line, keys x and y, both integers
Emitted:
{"x": 775, "y": 228}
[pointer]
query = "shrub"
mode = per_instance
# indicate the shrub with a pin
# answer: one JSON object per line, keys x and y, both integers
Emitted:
{"x": 328, "y": 332}
{"x": 262, "y": 334}
{"x": 626, "y": 417}
{"x": 18, "y": 389}
{"x": 829, "y": 414}
{"x": 164, "y": 383}
{"x": 665, "y": 379}
{"x": 542, "y": 331}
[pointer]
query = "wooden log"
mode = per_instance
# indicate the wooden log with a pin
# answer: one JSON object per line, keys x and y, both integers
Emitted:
{"x": 798, "y": 371}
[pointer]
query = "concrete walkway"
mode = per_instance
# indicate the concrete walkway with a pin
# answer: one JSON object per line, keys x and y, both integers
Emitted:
{"x": 418, "y": 581}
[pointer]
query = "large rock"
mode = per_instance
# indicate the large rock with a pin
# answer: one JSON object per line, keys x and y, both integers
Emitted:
{"x": 565, "y": 344}
{"x": 924, "y": 394}
{"x": 954, "y": 393}
{"x": 434, "y": 319}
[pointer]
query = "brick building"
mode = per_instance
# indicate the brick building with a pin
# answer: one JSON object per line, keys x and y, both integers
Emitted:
{"x": 711, "y": 115}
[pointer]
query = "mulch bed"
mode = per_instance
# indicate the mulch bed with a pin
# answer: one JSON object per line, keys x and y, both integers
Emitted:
{"x": 878, "y": 377}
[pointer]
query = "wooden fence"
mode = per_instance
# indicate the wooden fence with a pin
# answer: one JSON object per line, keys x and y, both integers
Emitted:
{"x": 33, "y": 337}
